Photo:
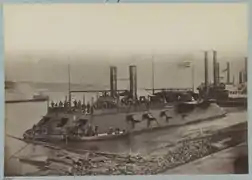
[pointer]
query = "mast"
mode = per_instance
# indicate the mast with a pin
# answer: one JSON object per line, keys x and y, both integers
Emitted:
{"x": 69, "y": 86}
{"x": 47, "y": 103}
{"x": 206, "y": 69}
{"x": 214, "y": 68}
{"x": 153, "y": 79}
{"x": 193, "y": 76}
{"x": 83, "y": 99}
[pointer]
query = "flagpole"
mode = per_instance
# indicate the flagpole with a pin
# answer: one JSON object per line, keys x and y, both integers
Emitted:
{"x": 69, "y": 86}
{"x": 193, "y": 76}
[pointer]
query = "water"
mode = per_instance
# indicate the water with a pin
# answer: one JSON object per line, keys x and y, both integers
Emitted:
{"x": 20, "y": 117}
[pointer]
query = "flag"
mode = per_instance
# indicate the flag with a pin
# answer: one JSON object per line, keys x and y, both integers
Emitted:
{"x": 224, "y": 70}
{"x": 185, "y": 64}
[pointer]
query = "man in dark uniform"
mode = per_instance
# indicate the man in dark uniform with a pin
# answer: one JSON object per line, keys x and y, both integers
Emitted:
{"x": 96, "y": 130}
{"x": 92, "y": 110}
{"x": 65, "y": 104}
{"x": 60, "y": 104}
{"x": 117, "y": 131}
{"x": 52, "y": 104}
{"x": 75, "y": 103}
{"x": 79, "y": 104}
{"x": 88, "y": 108}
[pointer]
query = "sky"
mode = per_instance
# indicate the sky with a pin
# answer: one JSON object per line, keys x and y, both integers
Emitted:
{"x": 39, "y": 39}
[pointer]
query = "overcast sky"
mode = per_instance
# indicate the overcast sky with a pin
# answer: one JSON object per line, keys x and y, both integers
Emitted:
{"x": 114, "y": 31}
{"x": 125, "y": 27}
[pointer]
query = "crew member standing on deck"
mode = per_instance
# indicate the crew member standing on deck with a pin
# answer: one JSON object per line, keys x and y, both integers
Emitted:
{"x": 88, "y": 107}
{"x": 92, "y": 109}
{"x": 79, "y": 104}
{"x": 60, "y": 104}
{"x": 65, "y": 103}
{"x": 52, "y": 104}
{"x": 75, "y": 103}
{"x": 96, "y": 131}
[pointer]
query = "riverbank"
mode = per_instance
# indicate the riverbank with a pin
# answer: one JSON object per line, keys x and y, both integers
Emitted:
{"x": 184, "y": 151}
{"x": 143, "y": 144}
{"x": 233, "y": 160}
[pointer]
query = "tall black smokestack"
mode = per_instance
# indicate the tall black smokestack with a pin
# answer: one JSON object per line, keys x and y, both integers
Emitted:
{"x": 228, "y": 73}
{"x": 246, "y": 70}
{"x": 113, "y": 81}
{"x": 206, "y": 69}
{"x": 217, "y": 73}
{"x": 214, "y": 68}
{"x": 240, "y": 77}
{"x": 133, "y": 81}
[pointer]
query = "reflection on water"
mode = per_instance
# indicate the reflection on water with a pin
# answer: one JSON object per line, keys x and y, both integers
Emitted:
{"x": 20, "y": 117}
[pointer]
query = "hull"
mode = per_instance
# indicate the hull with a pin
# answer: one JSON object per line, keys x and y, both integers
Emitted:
{"x": 58, "y": 138}
{"x": 194, "y": 114}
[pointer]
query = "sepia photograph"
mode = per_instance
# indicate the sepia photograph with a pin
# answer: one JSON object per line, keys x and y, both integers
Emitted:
{"x": 125, "y": 89}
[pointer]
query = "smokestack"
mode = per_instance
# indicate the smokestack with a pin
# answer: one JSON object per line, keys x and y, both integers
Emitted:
{"x": 113, "y": 81}
{"x": 214, "y": 68}
{"x": 217, "y": 73}
{"x": 240, "y": 77}
{"x": 206, "y": 69}
{"x": 133, "y": 81}
{"x": 246, "y": 70}
{"x": 228, "y": 73}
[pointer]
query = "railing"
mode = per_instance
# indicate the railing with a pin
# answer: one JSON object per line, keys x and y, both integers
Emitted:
{"x": 108, "y": 111}
{"x": 171, "y": 89}
{"x": 96, "y": 91}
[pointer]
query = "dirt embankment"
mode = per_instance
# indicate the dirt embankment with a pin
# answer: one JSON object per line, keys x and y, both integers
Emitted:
{"x": 160, "y": 160}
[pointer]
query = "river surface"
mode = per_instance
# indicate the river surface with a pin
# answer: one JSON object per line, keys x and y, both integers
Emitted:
{"x": 20, "y": 117}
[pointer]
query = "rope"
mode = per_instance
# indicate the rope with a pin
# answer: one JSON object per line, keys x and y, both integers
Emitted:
{"x": 12, "y": 156}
